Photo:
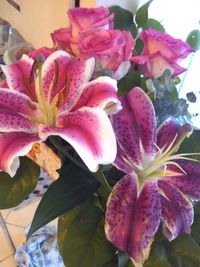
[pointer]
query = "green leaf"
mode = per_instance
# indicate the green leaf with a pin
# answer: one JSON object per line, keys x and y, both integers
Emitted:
{"x": 193, "y": 39}
{"x": 142, "y": 15}
{"x": 72, "y": 188}
{"x": 128, "y": 82}
{"x": 14, "y": 190}
{"x": 124, "y": 260}
{"x": 191, "y": 145}
{"x": 153, "y": 23}
{"x": 111, "y": 263}
{"x": 186, "y": 246}
{"x": 139, "y": 46}
{"x": 123, "y": 19}
{"x": 157, "y": 262}
{"x": 81, "y": 237}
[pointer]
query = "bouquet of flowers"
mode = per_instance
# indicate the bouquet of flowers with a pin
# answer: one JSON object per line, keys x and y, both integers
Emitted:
{"x": 100, "y": 113}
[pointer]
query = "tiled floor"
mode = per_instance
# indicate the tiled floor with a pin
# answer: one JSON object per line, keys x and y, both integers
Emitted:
{"x": 12, "y": 224}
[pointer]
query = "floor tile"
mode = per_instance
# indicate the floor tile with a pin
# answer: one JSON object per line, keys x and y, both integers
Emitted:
{"x": 6, "y": 248}
{"x": 23, "y": 216}
{"x": 5, "y": 213}
{"x": 8, "y": 262}
{"x": 17, "y": 234}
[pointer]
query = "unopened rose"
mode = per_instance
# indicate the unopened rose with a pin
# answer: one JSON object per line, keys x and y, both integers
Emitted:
{"x": 161, "y": 51}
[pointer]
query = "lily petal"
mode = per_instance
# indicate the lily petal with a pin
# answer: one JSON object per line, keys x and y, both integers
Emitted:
{"x": 17, "y": 101}
{"x": 171, "y": 131}
{"x": 120, "y": 211}
{"x": 13, "y": 145}
{"x": 135, "y": 125}
{"x": 78, "y": 74}
{"x": 18, "y": 76}
{"x": 147, "y": 217}
{"x": 172, "y": 220}
{"x": 54, "y": 72}
{"x": 121, "y": 161}
{"x": 90, "y": 132}
{"x": 102, "y": 93}
{"x": 188, "y": 182}
{"x": 180, "y": 202}
{"x": 12, "y": 107}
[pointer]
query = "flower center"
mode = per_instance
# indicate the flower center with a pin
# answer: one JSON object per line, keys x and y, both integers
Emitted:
{"x": 164, "y": 157}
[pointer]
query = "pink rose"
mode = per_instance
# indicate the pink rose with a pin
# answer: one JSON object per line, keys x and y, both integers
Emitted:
{"x": 91, "y": 34}
{"x": 84, "y": 19}
{"x": 109, "y": 47}
{"x": 161, "y": 51}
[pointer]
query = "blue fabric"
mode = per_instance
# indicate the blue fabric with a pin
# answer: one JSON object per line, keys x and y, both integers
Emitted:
{"x": 41, "y": 250}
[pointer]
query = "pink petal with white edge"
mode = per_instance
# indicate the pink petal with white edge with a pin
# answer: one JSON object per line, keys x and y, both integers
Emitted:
{"x": 13, "y": 145}
{"x": 78, "y": 75}
{"x": 147, "y": 217}
{"x": 54, "y": 73}
{"x": 17, "y": 102}
{"x": 120, "y": 212}
{"x": 181, "y": 203}
{"x": 172, "y": 220}
{"x": 102, "y": 93}
{"x": 171, "y": 131}
{"x": 90, "y": 132}
{"x": 18, "y": 76}
{"x": 135, "y": 125}
{"x": 188, "y": 182}
{"x": 11, "y": 121}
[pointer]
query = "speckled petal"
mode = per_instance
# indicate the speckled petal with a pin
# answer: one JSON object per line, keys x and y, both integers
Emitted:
{"x": 135, "y": 125}
{"x": 18, "y": 76}
{"x": 17, "y": 102}
{"x": 188, "y": 182}
{"x": 121, "y": 161}
{"x": 78, "y": 74}
{"x": 90, "y": 132}
{"x": 172, "y": 220}
{"x": 180, "y": 202}
{"x": 120, "y": 211}
{"x": 102, "y": 93}
{"x": 13, "y": 105}
{"x": 13, "y": 145}
{"x": 169, "y": 130}
{"x": 55, "y": 70}
{"x": 147, "y": 217}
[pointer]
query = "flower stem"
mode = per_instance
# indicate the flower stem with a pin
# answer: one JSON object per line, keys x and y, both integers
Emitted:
{"x": 65, "y": 152}
{"x": 102, "y": 180}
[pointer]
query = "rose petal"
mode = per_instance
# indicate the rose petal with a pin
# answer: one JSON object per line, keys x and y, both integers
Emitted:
{"x": 62, "y": 38}
{"x": 135, "y": 125}
{"x": 78, "y": 75}
{"x": 180, "y": 202}
{"x": 13, "y": 145}
{"x": 18, "y": 76}
{"x": 147, "y": 217}
{"x": 90, "y": 132}
{"x": 120, "y": 211}
{"x": 102, "y": 93}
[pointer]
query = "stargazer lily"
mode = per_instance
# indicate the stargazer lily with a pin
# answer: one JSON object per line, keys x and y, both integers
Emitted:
{"x": 55, "y": 97}
{"x": 158, "y": 185}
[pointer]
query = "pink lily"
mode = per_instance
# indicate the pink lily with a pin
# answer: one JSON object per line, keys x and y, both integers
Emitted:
{"x": 157, "y": 187}
{"x": 56, "y": 99}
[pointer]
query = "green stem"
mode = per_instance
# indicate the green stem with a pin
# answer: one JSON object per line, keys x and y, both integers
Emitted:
{"x": 66, "y": 153}
{"x": 102, "y": 180}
